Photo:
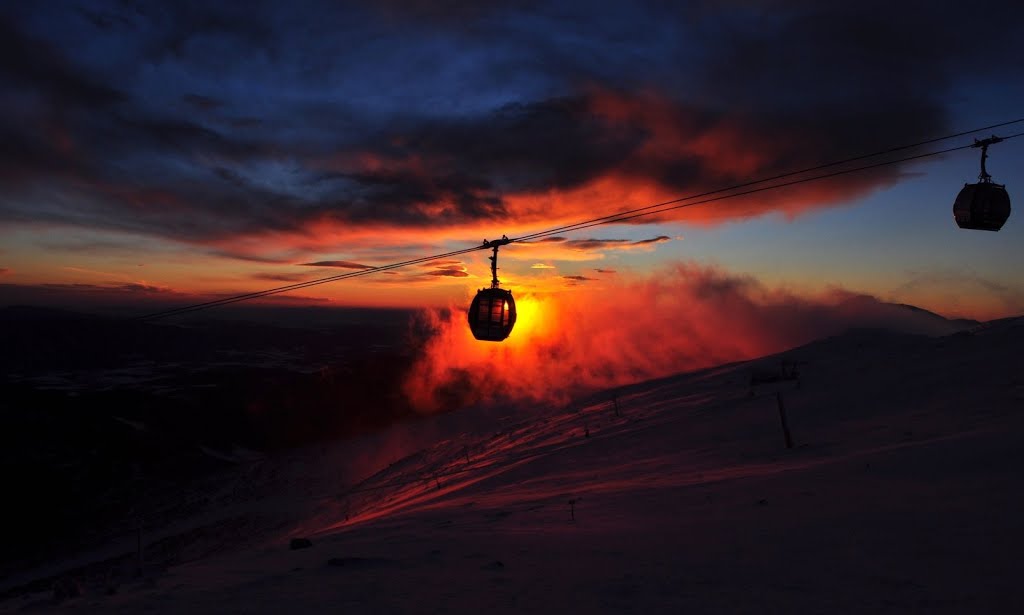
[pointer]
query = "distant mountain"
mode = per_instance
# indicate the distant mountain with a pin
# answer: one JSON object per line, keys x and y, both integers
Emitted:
{"x": 20, "y": 313}
{"x": 965, "y": 323}
{"x": 868, "y": 312}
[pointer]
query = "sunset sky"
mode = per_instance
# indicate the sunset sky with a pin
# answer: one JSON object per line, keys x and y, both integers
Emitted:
{"x": 158, "y": 153}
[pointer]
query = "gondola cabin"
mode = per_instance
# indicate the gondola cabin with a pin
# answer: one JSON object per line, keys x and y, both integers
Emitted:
{"x": 493, "y": 311}
{"x": 492, "y": 315}
{"x": 984, "y": 206}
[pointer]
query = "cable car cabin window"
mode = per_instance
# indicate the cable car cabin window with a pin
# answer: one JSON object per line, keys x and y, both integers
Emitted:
{"x": 497, "y": 312}
{"x": 490, "y": 311}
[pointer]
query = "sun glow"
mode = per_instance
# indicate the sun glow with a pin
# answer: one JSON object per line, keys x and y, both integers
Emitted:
{"x": 530, "y": 321}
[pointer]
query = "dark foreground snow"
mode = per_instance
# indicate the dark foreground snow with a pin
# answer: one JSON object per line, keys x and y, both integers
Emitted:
{"x": 903, "y": 493}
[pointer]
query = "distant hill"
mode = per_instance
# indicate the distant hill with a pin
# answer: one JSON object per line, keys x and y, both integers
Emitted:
{"x": 958, "y": 322}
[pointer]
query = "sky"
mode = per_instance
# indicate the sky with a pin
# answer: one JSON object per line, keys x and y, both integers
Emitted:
{"x": 155, "y": 154}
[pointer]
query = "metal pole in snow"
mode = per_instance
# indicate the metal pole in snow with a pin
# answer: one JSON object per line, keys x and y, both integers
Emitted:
{"x": 782, "y": 417}
{"x": 138, "y": 543}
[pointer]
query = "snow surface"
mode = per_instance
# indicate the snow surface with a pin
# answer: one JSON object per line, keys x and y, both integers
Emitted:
{"x": 903, "y": 494}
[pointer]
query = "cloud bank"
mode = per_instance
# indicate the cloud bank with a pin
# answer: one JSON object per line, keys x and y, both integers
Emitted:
{"x": 209, "y": 123}
{"x": 634, "y": 328}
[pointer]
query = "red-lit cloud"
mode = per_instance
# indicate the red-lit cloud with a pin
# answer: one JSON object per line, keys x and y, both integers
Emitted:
{"x": 630, "y": 329}
{"x": 630, "y": 150}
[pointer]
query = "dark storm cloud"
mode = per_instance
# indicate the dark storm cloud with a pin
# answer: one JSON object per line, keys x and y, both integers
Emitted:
{"x": 918, "y": 280}
{"x": 451, "y": 272}
{"x": 104, "y": 20}
{"x": 202, "y": 103}
{"x": 526, "y": 147}
{"x": 280, "y": 277}
{"x": 42, "y": 93}
{"x": 658, "y": 239}
{"x": 434, "y": 273}
{"x": 471, "y": 163}
{"x": 29, "y": 62}
{"x": 338, "y": 264}
{"x": 93, "y": 296}
{"x": 202, "y": 122}
{"x": 612, "y": 244}
{"x": 267, "y": 259}
{"x": 246, "y": 122}
{"x": 13, "y": 293}
{"x": 442, "y": 263}
{"x": 913, "y": 50}
{"x": 590, "y": 245}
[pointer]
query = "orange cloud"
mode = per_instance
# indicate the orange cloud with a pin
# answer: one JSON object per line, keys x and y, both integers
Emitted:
{"x": 627, "y": 329}
{"x": 433, "y": 196}
{"x": 689, "y": 151}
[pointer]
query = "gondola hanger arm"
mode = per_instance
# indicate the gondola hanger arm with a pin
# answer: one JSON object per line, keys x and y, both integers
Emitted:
{"x": 983, "y": 144}
{"x": 494, "y": 245}
{"x": 497, "y": 243}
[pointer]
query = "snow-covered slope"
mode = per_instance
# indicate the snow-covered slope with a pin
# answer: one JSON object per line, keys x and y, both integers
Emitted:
{"x": 902, "y": 493}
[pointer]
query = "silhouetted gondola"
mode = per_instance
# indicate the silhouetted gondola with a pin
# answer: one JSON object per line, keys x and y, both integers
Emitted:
{"x": 493, "y": 311}
{"x": 983, "y": 206}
